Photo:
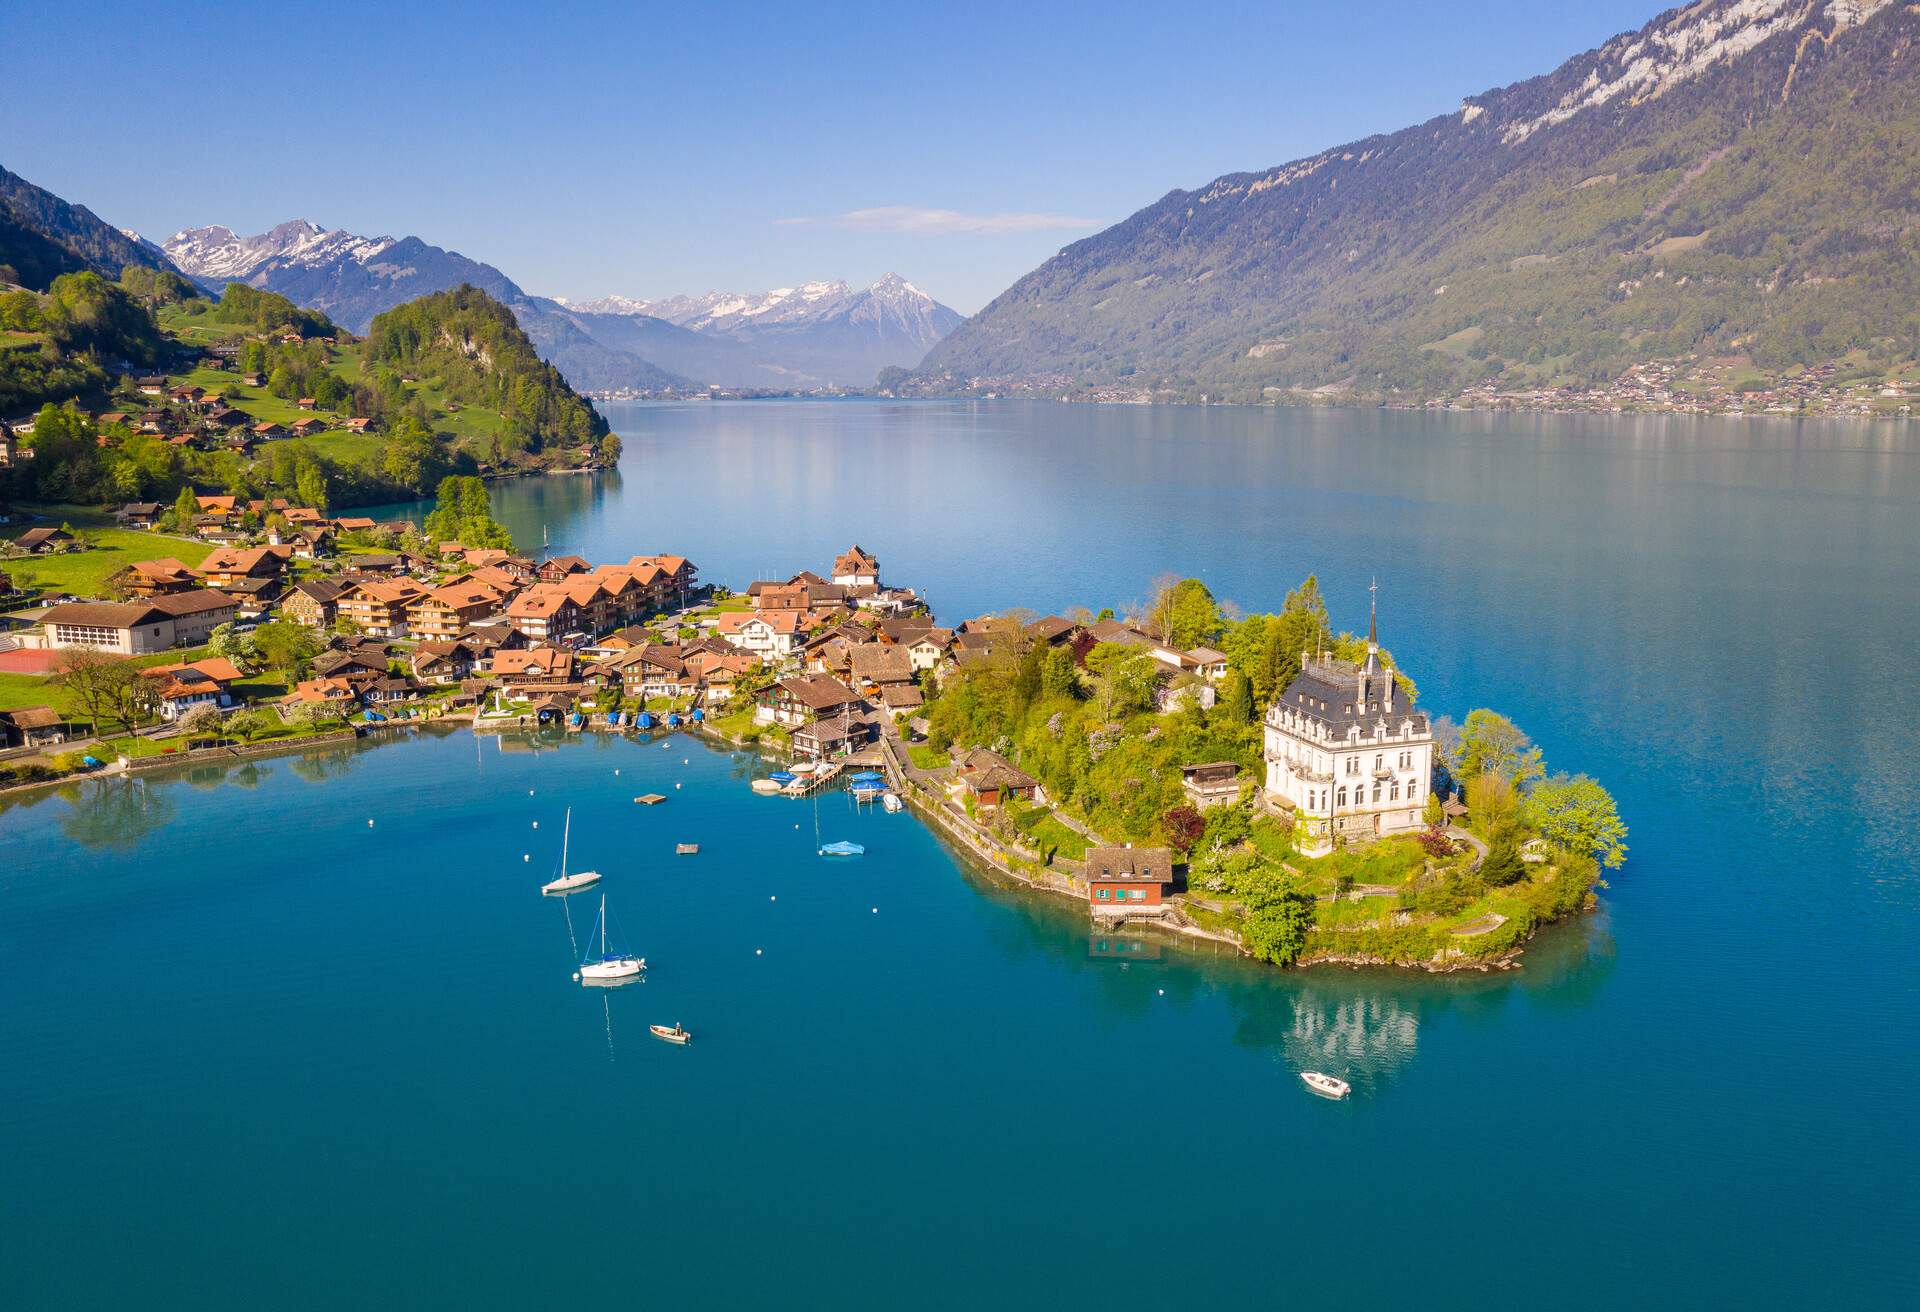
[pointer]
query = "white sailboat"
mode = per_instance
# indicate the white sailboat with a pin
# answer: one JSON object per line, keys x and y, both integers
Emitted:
{"x": 567, "y": 883}
{"x": 608, "y": 967}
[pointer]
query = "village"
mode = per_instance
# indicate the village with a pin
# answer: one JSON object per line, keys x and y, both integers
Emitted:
{"x": 1236, "y": 819}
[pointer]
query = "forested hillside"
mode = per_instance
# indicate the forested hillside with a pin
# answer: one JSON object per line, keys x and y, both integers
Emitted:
{"x": 1736, "y": 180}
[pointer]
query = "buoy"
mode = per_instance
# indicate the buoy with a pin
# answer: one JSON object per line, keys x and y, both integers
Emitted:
{"x": 756, "y": 952}
{"x": 616, "y": 770}
{"x": 536, "y": 824}
{"x": 576, "y": 974}
{"x": 676, "y": 785}
{"x": 683, "y": 760}
{"x": 529, "y": 792}
{"x": 774, "y": 898}
{"x": 526, "y": 856}
{"x": 1163, "y": 993}
{"x": 876, "y": 911}
{"x": 369, "y": 824}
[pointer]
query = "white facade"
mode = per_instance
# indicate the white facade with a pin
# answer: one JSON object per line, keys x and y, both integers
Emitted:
{"x": 1348, "y": 753}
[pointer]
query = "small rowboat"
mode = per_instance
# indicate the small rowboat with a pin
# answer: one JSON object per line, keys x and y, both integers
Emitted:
{"x": 1326, "y": 1086}
{"x": 675, "y": 1033}
{"x": 686, "y": 849}
{"x": 764, "y": 786}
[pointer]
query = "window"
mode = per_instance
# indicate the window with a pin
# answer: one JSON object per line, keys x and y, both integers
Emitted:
{"x": 1340, "y": 798}
{"x": 1353, "y": 765}
{"x": 1376, "y": 792}
{"x": 1393, "y": 791}
{"x": 1413, "y": 789}
{"x": 1379, "y": 760}
{"x": 1102, "y": 894}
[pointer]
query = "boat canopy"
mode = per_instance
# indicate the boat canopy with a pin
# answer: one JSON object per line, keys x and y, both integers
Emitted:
{"x": 673, "y": 719}
{"x": 644, "y": 719}
{"x": 782, "y": 776}
{"x": 843, "y": 848}
{"x": 698, "y": 715}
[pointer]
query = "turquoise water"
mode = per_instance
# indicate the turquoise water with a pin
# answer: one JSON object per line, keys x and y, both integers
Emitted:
{"x": 252, "y": 1048}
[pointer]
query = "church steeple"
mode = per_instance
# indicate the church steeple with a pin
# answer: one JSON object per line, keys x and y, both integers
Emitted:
{"x": 1373, "y": 627}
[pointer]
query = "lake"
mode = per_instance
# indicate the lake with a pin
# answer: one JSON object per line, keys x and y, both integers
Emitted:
{"x": 256, "y": 1049}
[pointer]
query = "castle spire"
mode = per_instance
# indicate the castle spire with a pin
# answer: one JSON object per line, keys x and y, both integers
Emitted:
{"x": 1373, "y": 615}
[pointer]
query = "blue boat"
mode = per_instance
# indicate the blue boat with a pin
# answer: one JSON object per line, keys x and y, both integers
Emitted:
{"x": 613, "y": 719}
{"x": 781, "y": 777}
{"x": 644, "y": 720}
{"x": 698, "y": 715}
{"x": 673, "y": 720}
{"x": 843, "y": 848}
{"x": 576, "y": 719}
{"x": 374, "y": 717}
{"x": 868, "y": 777}
{"x": 91, "y": 762}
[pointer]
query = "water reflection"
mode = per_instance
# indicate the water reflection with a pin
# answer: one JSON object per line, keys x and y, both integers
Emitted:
{"x": 114, "y": 814}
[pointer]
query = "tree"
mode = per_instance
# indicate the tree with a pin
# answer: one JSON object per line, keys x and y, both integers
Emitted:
{"x": 1434, "y": 813}
{"x": 1236, "y": 698}
{"x": 1279, "y": 916}
{"x": 1503, "y": 865}
{"x": 1187, "y": 614}
{"x": 1058, "y": 677}
{"x": 201, "y": 722}
{"x": 1184, "y": 826}
{"x": 185, "y": 507}
{"x": 1491, "y": 743}
{"x": 1126, "y": 676}
{"x": 286, "y": 647}
{"x": 1491, "y": 804}
{"x": 87, "y": 677}
{"x": 1574, "y": 813}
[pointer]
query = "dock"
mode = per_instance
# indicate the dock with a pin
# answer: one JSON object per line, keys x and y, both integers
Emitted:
{"x": 814, "y": 780}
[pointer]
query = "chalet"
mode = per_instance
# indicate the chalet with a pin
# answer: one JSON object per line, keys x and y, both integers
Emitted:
{"x": 132, "y": 628}
{"x": 533, "y": 669}
{"x": 218, "y": 505}
{"x": 254, "y": 380}
{"x": 356, "y": 664}
{"x": 353, "y": 524}
{"x": 156, "y": 421}
{"x": 304, "y": 516}
{"x": 360, "y": 426}
{"x": 768, "y": 634}
{"x": 379, "y": 606}
{"x": 268, "y": 431}
{"x": 153, "y": 578}
{"x": 878, "y": 664}
{"x": 803, "y": 699}
{"x": 824, "y": 738}
{"x": 1127, "y": 881}
{"x": 334, "y": 694}
{"x": 897, "y": 698}
{"x": 307, "y": 403}
{"x": 152, "y": 385}
{"x": 116, "y": 418}
{"x": 225, "y": 417}
{"x": 931, "y": 648}
{"x": 436, "y": 661}
{"x": 447, "y": 612}
{"x": 44, "y": 541}
{"x": 218, "y": 528}
{"x": 308, "y": 427}
{"x": 991, "y": 779}
{"x": 656, "y": 670}
{"x": 1211, "y": 784}
{"x": 542, "y": 612}
{"x": 139, "y": 514}
{"x": 180, "y": 688}
{"x": 1054, "y": 631}
{"x": 231, "y": 564}
{"x": 388, "y": 689}
{"x": 782, "y": 596}
{"x": 557, "y": 568}
{"x": 856, "y": 567}
{"x": 313, "y": 602}
{"x": 32, "y": 726}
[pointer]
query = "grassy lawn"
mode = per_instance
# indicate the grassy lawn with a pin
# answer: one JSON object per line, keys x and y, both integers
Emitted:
{"x": 17, "y": 690}
{"x": 1048, "y": 832}
{"x": 83, "y": 572}
{"x": 928, "y": 757}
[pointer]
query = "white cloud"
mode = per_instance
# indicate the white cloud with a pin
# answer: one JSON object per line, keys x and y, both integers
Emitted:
{"x": 919, "y": 222}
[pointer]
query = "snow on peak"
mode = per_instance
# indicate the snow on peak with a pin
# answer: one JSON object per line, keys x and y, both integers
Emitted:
{"x": 1681, "y": 45}
{"x": 215, "y": 252}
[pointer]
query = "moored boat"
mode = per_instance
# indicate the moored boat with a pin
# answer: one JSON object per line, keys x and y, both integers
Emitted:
{"x": 568, "y": 883}
{"x": 892, "y": 802}
{"x": 675, "y": 1033}
{"x": 765, "y": 786}
{"x": 609, "y": 967}
{"x": 1327, "y": 1086}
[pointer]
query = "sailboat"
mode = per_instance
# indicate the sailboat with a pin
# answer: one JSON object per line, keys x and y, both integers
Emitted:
{"x": 608, "y": 967}
{"x": 567, "y": 883}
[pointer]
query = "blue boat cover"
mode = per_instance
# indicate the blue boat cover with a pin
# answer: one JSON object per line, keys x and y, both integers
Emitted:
{"x": 843, "y": 848}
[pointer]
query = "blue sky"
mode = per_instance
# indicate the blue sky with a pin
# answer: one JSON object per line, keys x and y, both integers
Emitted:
{"x": 649, "y": 149}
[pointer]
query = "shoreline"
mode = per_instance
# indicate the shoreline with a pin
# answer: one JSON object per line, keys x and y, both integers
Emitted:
{"x": 985, "y": 855}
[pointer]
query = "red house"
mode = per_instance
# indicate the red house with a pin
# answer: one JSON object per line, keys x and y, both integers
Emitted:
{"x": 1128, "y": 881}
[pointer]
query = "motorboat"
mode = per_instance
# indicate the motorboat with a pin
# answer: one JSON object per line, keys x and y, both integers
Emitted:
{"x": 675, "y": 1033}
{"x": 843, "y": 848}
{"x": 892, "y": 802}
{"x": 1327, "y": 1086}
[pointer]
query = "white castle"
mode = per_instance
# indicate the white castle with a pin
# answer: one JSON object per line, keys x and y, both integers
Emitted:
{"x": 1347, "y": 752}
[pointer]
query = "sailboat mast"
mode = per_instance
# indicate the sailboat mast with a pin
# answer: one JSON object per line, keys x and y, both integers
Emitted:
{"x": 566, "y": 832}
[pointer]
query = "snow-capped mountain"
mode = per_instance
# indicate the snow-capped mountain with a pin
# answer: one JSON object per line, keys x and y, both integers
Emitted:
{"x": 825, "y": 331}
{"x": 350, "y": 277}
{"x": 217, "y": 254}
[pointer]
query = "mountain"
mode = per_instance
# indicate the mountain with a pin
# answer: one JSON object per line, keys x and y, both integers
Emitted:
{"x": 352, "y": 278}
{"x": 813, "y": 334}
{"x": 43, "y": 236}
{"x": 1739, "y": 179}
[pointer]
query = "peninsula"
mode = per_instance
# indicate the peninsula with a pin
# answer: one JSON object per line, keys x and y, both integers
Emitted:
{"x": 1261, "y": 781}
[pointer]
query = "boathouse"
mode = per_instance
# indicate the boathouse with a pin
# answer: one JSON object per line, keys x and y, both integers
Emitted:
{"x": 1128, "y": 881}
